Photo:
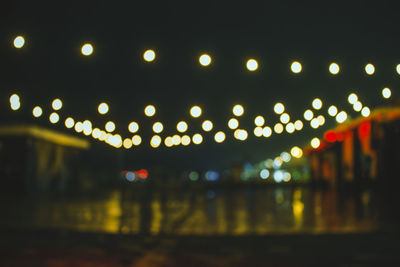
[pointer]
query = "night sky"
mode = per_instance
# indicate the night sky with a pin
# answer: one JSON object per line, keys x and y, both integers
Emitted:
{"x": 50, "y": 65}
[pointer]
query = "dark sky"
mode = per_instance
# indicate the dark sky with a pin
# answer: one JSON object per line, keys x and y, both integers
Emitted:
{"x": 50, "y": 65}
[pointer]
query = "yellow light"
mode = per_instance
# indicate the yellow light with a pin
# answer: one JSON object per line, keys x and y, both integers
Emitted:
{"x": 279, "y": 108}
{"x": 103, "y": 108}
{"x": 79, "y": 127}
{"x": 314, "y": 123}
{"x": 386, "y": 92}
{"x": 197, "y": 139}
{"x": 341, "y": 117}
{"x": 176, "y": 140}
{"x": 195, "y": 111}
{"x": 87, "y": 127}
{"x": 205, "y": 60}
{"x": 238, "y": 110}
{"x": 290, "y": 127}
{"x": 133, "y": 127}
{"x": 149, "y": 55}
{"x": 219, "y": 137}
{"x": 317, "y": 103}
{"x": 185, "y": 140}
{"x": 87, "y": 49}
{"x": 334, "y": 68}
{"x": 266, "y": 132}
{"x": 296, "y": 67}
{"x": 308, "y": 115}
{"x": 182, "y": 126}
{"x": 278, "y": 128}
{"x": 252, "y": 65}
{"x": 259, "y": 121}
{"x": 315, "y": 142}
{"x": 357, "y": 106}
{"x": 332, "y": 111}
{"x": 369, "y": 69}
{"x": 96, "y": 133}
{"x": 168, "y": 141}
{"x": 110, "y": 126}
{"x": 37, "y": 111}
{"x": 155, "y": 141}
{"x": 321, "y": 120}
{"x": 149, "y": 110}
{"x": 233, "y": 123}
{"x": 15, "y": 105}
{"x": 158, "y": 127}
{"x": 298, "y": 125}
{"x": 15, "y": 102}
{"x": 258, "y": 131}
{"x": 127, "y": 143}
{"x": 19, "y": 42}
{"x": 136, "y": 140}
{"x": 365, "y": 111}
{"x": 398, "y": 69}
{"x": 284, "y": 118}
{"x": 240, "y": 134}
{"x": 87, "y": 131}
{"x": 54, "y": 118}
{"x": 296, "y": 152}
{"x": 57, "y": 104}
{"x": 207, "y": 125}
{"x": 114, "y": 140}
{"x": 103, "y": 135}
{"x": 69, "y": 122}
{"x": 352, "y": 98}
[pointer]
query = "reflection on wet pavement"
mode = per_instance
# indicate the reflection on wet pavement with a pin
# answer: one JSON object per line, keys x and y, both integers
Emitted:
{"x": 199, "y": 212}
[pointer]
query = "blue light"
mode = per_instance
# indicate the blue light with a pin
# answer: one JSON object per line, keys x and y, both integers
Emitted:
{"x": 212, "y": 176}
{"x": 130, "y": 176}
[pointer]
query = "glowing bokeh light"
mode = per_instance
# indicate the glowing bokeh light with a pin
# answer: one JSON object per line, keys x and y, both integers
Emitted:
{"x": 103, "y": 108}
{"x": 317, "y": 104}
{"x": 127, "y": 143}
{"x": 369, "y": 69}
{"x": 37, "y": 112}
{"x": 296, "y": 67}
{"x": 315, "y": 142}
{"x": 332, "y": 111}
{"x": 195, "y": 111}
{"x": 259, "y": 121}
{"x": 182, "y": 126}
{"x": 296, "y": 152}
{"x": 352, "y": 98}
{"x": 110, "y": 126}
{"x": 149, "y": 110}
{"x": 185, "y": 140}
{"x": 334, "y": 68}
{"x": 103, "y": 135}
{"x": 176, "y": 140}
{"x": 87, "y": 49}
{"x": 252, "y": 65}
{"x": 168, "y": 141}
{"x": 149, "y": 55}
{"x": 341, "y": 117}
{"x": 69, "y": 122}
{"x": 285, "y": 156}
{"x": 278, "y": 128}
{"x": 207, "y": 125}
{"x": 284, "y": 118}
{"x": 19, "y": 42}
{"x": 57, "y": 104}
{"x": 298, "y": 125}
{"x": 219, "y": 137}
{"x": 15, "y": 103}
{"x": 54, "y": 118}
{"x": 386, "y": 92}
{"x": 136, "y": 140}
{"x": 267, "y": 131}
{"x": 398, "y": 69}
{"x": 240, "y": 134}
{"x": 279, "y": 108}
{"x": 357, "y": 106}
{"x": 365, "y": 112}
{"x": 79, "y": 127}
{"x": 238, "y": 110}
{"x": 197, "y": 139}
{"x": 155, "y": 141}
{"x": 158, "y": 127}
{"x": 233, "y": 123}
{"x": 314, "y": 123}
{"x": 205, "y": 60}
{"x": 308, "y": 115}
{"x": 264, "y": 174}
{"x": 290, "y": 127}
{"x": 96, "y": 133}
{"x": 133, "y": 127}
{"x": 258, "y": 131}
{"x": 321, "y": 120}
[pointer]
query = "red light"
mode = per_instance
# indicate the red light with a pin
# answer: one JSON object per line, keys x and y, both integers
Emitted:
{"x": 330, "y": 136}
{"x": 340, "y": 137}
{"x": 364, "y": 129}
{"x": 143, "y": 173}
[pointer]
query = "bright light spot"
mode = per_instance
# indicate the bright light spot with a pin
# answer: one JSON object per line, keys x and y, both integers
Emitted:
{"x": 127, "y": 143}
{"x": 193, "y": 176}
{"x": 57, "y": 104}
{"x": 19, "y": 42}
{"x": 284, "y": 118}
{"x": 69, "y": 122}
{"x": 158, "y": 127}
{"x": 314, "y": 123}
{"x": 155, "y": 141}
{"x": 266, "y": 132}
{"x": 290, "y": 127}
{"x": 259, "y": 121}
{"x": 96, "y": 133}
{"x": 285, "y": 156}
{"x": 252, "y": 65}
{"x": 334, "y": 68}
{"x": 365, "y": 111}
{"x": 296, "y": 152}
{"x": 207, "y": 125}
{"x": 149, "y": 110}
{"x": 15, "y": 102}
{"x": 298, "y": 125}
{"x": 103, "y": 108}
{"x": 136, "y": 140}
{"x": 240, "y": 134}
{"x": 264, "y": 174}
{"x": 133, "y": 127}
{"x": 332, "y": 111}
{"x": 168, "y": 141}
{"x": 269, "y": 163}
{"x": 149, "y": 55}
{"x": 130, "y": 176}
{"x": 321, "y": 120}
{"x": 258, "y": 131}
{"x": 114, "y": 140}
{"x": 287, "y": 176}
{"x": 176, "y": 140}
{"x": 185, "y": 140}
{"x": 369, "y": 69}
{"x": 87, "y": 49}
{"x": 315, "y": 143}
{"x": 317, "y": 104}
{"x": 279, "y": 108}
{"x": 341, "y": 117}
{"x": 110, "y": 126}
{"x": 352, "y": 98}
{"x": 197, "y": 139}
{"x": 357, "y": 106}
{"x": 182, "y": 126}
{"x": 398, "y": 68}
{"x": 308, "y": 115}
{"x": 87, "y": 127}
{"x": 205, "y": 60}
{"x": 219, "y": 137}
{"x": 296, "y": 67}
{"x": 278, "y": 128}
{"x": 195, "y": 111}
{"x": 54, "y": 118}
{"x": 278, "y": 176}
{"x": 37, "y": 111}
{"x": 103, "y": 135}
{"x": 15, "y": 105}
{"x": 277, "y": 163}
{"x": 238, "y": 110}
{"x": 386, "y": 92}
{"x": 233, "y": 123}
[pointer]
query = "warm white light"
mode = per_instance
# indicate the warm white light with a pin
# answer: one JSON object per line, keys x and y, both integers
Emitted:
{"x": 219, "y": 137}
{"x": 136, "y": 140}
{"x": 352, "y": 98}
{"x": 314, "y": 123}
{"x": 357, "y": 106}
{"x": 264, "y": 174}
{"x": 278, "y": 128}
{"x": 110, "y": 126}
{"x": 369, "y": 69}
{"x": 365, "y": 111}
{"x": 149, "y": 110}
{"x": 205, "y": 60}
{"x": 54, "y": 118}
{"x": 195, "y": 111}
{"x": 158, "y": 127}
{"x": 341, "y": 117}
{"x": 298, "y": 125}
{"x": 87, "y": 49}
{"x": 19, "y": 42}
{"x": 398, "y": 69}
{"x": 96, "y": 133}
{"x": 290, "y": 127}
{"x": 258, "y": 131}
{"x": 149, "y": 55}
{"x": 386, "y": 92}
{"x": 252, "y": 65}
{"x": 155, "y": 141}
{"x": 266, "y": 132}
{"x": 182, "y": 126}
{"x": 285, "y": 156}
{"x": 103, "y": 108}
{"x": 240, "y": 134}
{"x": 87, "y": 127}
{"x": 321, "y": 120}
{"x": 79, "y": 127}
{"x": 332, "y": 111}
{"x": 185, "y": 140}
{"x": 279, "y": 108}
{"x": 168, "y": 141}
{"x": 284, "y": 118}
{"x": 233, "y": 123}
{"x": 69, "y": 122}
{"x": 133, "y": 127}
{"x": 176, "y": 140}
{"x": 57, "y": 104}
{"x": 103, "y": 135}
{"x": 259, "y": 121}
{"x": 37, "y": 111}
{"x": 197, "y": 139}
{"x": 296, "y": 152}
{"x": 127, "y": 143}
{"x": 296, "y": 67}
{"x": 207, "y": 125}
{"x": 315, "y": 142}
{"x": 317, "y": 104}
{"x": 334, "y": 68}
{"x": 308, "y": 115}
{"x": 238, "y": 110}
{"x": 15, "y": 102}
